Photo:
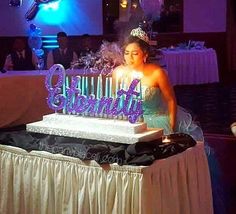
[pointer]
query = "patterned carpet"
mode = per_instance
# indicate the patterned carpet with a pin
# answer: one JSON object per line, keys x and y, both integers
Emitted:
{"x": 213, "y": 105}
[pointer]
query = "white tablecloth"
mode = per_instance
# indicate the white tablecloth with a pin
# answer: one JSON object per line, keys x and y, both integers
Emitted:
{"x": 191, "y": 66}
{"x": 40, "y": 182}
{"x": 23, "y": 96}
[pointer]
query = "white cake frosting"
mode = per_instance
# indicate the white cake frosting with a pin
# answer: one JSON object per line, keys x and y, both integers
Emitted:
{"x": 111, "y": 130}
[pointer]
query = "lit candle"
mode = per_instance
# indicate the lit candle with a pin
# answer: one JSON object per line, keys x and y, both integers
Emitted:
{"x": 67, "y": 82}
{"x": 118, "y": 76}
{"x": 110, "y": 84}
{"x": 140, "y": 88}
{"x": 86, "y": 86}
{"x": 135, "y": 76}
{"x": 141, "y": 93}
{"x": 138, "y": 75}
{"x": 101, "y": 87}
{"x": 122, "y": 98}
{"x": 79, "y": 83}
{"x": 121, "y": 84}
{"x": 107, "y": 88}
{"x": 82, "y": 85}
{"x": 64, "y": 93}
{"x": 98, "y": 87}
{"x": 125, "y": 86}
{"x": 117, "y": 86}
{"x": 64, "y": 87}
{"x": 165, "y": 139}
{"x": 92, "y": 85}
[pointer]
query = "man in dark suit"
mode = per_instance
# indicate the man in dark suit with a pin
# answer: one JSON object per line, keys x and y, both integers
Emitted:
{"x": 21, "y": 58}
{"x": 62, "y": 55}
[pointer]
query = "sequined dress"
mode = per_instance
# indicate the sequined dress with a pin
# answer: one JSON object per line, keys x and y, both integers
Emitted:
{"x": 156, "y": 114}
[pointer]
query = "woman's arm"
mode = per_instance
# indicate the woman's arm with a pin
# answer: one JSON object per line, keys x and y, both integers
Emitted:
{"x": 163, "y": 82}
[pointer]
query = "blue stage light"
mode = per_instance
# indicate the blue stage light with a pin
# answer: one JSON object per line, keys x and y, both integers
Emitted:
{"x": 50, "y": 46}
{"x": 50, "y": 42}
{"x": 54, "y": 13}
{"x": 52, "y": 6}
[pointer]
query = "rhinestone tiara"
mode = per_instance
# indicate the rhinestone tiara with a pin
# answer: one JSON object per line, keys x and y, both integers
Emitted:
{"x": 138, "y": 32}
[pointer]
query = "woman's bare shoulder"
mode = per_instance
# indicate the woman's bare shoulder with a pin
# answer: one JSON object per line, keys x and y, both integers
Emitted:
{"x": 154, "y": 69}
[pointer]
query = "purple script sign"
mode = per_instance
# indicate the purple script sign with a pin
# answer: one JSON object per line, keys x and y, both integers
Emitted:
{"x": 71, "y": 99}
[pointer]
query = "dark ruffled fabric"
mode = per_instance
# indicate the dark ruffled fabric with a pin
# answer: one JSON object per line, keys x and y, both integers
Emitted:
{"x": 143, "y": 153}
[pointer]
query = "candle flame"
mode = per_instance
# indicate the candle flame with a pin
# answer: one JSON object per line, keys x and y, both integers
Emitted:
{"x": 119, "y": 74}
{"x": 137, "y": 75}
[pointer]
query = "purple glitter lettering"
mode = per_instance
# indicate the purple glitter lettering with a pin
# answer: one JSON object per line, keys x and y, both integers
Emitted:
{"x": 81, "y": 104}
{"x": 104, "y": 105}
{"x": 92, "y": 102}
{"x": 71, "y": 95}
{"x": 126, "y": 102}
{"x": 55, "y": 100}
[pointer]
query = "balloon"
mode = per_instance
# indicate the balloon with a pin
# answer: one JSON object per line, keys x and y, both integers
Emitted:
{"x": 32, "y": 27}
{"x": 34, "y": 31}
{"x": 39, "y": 52}
{"x": 38, "y": 31}
{"x": 35, "y": 42}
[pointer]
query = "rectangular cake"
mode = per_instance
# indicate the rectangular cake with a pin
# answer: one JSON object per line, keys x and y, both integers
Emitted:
{"x": 103, "y": 129}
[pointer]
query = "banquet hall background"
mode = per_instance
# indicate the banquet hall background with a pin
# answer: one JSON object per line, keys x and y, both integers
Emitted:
{"x": 202, "y": 21}
{"x": 213, "y": 22}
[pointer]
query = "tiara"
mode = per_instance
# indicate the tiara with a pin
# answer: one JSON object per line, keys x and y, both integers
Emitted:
{"x": 138, "y": 32}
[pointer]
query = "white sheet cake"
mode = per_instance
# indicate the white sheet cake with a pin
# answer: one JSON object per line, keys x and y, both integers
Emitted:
{"x": 111, "y": 130}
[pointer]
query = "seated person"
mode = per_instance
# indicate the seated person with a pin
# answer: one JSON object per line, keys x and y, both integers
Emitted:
{"x": 21, "y": 58}
{"x": 62, "y": 55}
{"x": 86, "y": 45}
{"x": 159, "y": 102}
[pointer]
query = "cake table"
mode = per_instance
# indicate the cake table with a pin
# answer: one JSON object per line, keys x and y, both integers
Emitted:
{"x": 40, "y": 182}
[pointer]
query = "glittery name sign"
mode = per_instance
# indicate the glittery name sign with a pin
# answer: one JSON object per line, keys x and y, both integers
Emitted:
{"x": 70, "y": 99}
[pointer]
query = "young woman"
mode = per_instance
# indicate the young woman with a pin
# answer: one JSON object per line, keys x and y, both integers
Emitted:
{"x": 159, "y": 103}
